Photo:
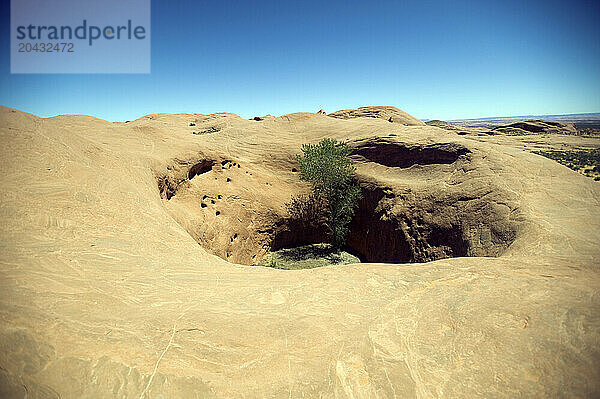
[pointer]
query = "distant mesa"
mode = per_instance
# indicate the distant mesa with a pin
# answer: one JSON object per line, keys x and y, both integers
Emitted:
{"x": 388, "y": 113}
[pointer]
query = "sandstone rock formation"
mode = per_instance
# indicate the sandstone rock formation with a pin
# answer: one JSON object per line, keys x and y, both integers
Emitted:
{"x": 125, "y": 245}
{"x": 537, "y": 127}
{"x": 521, "y": 128}
{"x": 461, "y": 130}
{"x": 443, "y": 124}
{"x": 390, "y": 114}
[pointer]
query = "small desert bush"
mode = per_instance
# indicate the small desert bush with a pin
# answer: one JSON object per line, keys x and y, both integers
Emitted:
{"x": 328, "y": 167}
{"x": 307, "y": 208}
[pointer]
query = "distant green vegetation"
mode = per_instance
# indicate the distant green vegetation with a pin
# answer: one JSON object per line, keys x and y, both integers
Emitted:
{"x": 586, "y": 162}
{"x": 212, "y": 129}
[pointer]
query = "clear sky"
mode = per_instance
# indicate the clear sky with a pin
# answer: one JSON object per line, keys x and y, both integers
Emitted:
{"x": 433, "y": 59}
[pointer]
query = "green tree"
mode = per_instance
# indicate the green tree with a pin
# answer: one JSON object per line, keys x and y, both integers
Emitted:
{"x": 327, "y": 165}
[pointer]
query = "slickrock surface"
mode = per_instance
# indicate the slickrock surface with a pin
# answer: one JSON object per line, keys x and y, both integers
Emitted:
{"x": 125, "y": 249}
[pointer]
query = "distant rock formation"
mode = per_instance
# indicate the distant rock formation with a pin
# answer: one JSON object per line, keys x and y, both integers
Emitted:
{"x": 536, "y": 127}
{"x": 520, "y": 128}
{"x": 321, "y": 112}
{"x": 388, "y": 113}
{"x": 443, "y": 124}
{"x": 460, "y": 130}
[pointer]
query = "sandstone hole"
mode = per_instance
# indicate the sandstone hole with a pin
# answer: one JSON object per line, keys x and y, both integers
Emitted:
{"x": 404, "y": 156}
{"x": 376, "y": 237}
{"x": 389, "y": 226}
{"x": 426, "y": 228}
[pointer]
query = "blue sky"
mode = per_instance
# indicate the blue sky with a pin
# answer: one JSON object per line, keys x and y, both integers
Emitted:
{"x": 433, "y": 59}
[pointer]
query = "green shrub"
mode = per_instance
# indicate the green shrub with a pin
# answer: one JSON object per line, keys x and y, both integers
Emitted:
{"x": 270, "y": 262}
{"x": 328, "y": 167}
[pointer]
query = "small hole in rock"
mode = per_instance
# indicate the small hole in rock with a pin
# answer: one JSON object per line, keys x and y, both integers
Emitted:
{"x": 200, "y": 168}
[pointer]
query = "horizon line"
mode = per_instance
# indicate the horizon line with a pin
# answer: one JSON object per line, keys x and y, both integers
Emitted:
{"x": 524, "y": 116}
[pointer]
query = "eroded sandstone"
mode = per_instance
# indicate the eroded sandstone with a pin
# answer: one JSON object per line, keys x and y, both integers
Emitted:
{"x": 106, "y": 291}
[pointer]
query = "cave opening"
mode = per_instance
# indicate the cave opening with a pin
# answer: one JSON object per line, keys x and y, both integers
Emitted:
{"x": 376, "y": 236}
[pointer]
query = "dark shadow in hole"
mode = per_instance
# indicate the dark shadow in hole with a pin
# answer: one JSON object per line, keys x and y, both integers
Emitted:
{"x": 200, "y": 168}
{"x": 404, "y": 155}
{"x": 373, "y": 237}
